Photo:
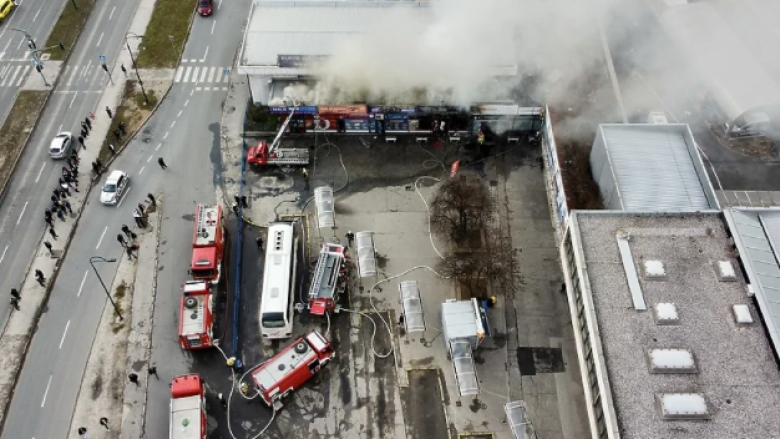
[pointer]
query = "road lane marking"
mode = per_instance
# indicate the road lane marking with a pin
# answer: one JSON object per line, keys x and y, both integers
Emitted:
{"x": 165, "y": 136}
{"x": 111, "y": 15}
{"x": 149, "y": 159}
{"x": 198, "y": 88}
{"x": 22, "y": 76}
{"x": 212, "y": 73}
{"x": 36, "y": 14}
{"x": 64, "y": 333}
{"x": 220, "y": 4}
{"x": 20, "y": 45}
{"x": 179, "y": 115}
{"x": 208, "y": 88}
{"x": 188, "y": 101}
{"x": 124, "y": 196}
{"x": 81, "y": 287}
{"x": 191, "y": 92}
{"x": 46, "y": 392}
{"x": 59, "y": 131}
{"x": 87, "y": 68}
{"x": 186, "y": 74}
{"x": 195, "y": 74}
{"x": 3, "y": 257}
{"x": 6, "y": 45}
{"x": 13, "y": 75}
{"x": 141, "y": 171}
{"x": 158, "y": 146}
{"x": 22, "y": 214}
{"x": 72, "y": 100}
{"x": 41, "y": 171}
{"x": 101, "y": 237}
{"x": 226, "y": 78}
{"x": 205, "y": 55}
{"x": 212, "y": 26}
{"x": 100, "y": 40}
{"x": 173, "y": 124}
{"x": 179, "y": 71}
{"x": 203, "y": 74}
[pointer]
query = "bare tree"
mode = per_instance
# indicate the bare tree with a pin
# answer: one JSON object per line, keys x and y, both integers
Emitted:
{"x": 461, "y": 206}
{"x": 496, "y": 263}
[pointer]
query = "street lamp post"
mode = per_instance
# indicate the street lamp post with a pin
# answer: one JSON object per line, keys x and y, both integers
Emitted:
{"x": 132, "y": 59}
{"x": 92, "y": 263}
{"x": 33, "y": 46}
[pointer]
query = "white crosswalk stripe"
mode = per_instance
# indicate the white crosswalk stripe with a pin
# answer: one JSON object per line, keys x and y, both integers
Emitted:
{"x": 195, "y": 71}
{"x": 187, "y": 74}
{"x": 206, "y": 75}
{"x": 203, "y": 74}
{"x": 22, "y": 76}
{"x": 14, "y": 74}
{"x": 179, "y": 72}
{"x": 211, "y": 74}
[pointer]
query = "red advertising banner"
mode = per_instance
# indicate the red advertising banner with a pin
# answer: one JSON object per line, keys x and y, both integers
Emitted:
{"x": 345, "y": 110}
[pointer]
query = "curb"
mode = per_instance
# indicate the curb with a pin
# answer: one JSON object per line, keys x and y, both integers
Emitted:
{"x": 43, "y": 107}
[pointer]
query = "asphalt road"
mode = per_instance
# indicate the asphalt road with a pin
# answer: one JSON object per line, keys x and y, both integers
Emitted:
{"x": 36, "y": 176}
{"x": 50, "y": 380}
{"x": 37, "y": 18}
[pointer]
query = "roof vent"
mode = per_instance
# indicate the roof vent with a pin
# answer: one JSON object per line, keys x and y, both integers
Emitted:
{"x": 654, "y": 270}
{"x": 725, "y": 271}
{"x": 671, "y": 361}
{"x": 675, "y": 406}
{"x": 666, "y": 314}
{"x": 742, "y": 315}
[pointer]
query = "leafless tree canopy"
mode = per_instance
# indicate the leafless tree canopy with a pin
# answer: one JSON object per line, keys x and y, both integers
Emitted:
{"x": 461, "y": 206}
{"x": 495, "y": 263}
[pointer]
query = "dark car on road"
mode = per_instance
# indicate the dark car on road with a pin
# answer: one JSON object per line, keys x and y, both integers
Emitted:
{"x": 205, "y": 7}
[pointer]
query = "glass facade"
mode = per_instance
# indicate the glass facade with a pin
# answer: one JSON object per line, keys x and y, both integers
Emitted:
{"x": 587, "y": 350}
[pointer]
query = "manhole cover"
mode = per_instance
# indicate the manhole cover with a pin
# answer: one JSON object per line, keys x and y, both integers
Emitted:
{"x": 268, "y": 182}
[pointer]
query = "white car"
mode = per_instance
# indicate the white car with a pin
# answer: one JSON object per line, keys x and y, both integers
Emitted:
{"x": 60, "y": 145}
{"x": 115, "y": 187}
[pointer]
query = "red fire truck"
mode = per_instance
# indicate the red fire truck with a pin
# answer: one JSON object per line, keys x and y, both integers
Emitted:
{"x": 292, "y": 367}
{"x": 263, "y": 154}
{"x": 188, "y": 408}
{"x": 330, "y": 279}
{"x": 209, "y": 244}
{"x": 196, "y": 316}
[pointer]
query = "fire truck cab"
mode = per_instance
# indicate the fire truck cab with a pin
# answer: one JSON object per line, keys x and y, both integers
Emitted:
{"x": 264, "y": 154}
{"x": 196, "y": 316}
{"x": 292, "y": 367}
{"x": 331, "y": 276}
{"x": 209, "y": 244}
{"x": 188, "y": 408}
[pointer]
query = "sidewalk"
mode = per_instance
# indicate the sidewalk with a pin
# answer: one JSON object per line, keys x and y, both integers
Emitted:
{"x": 20, "y": 326}
{"x": 121, "y": 347}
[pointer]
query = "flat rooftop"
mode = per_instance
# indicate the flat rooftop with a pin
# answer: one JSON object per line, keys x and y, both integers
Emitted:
{"x": 736, "y": 370}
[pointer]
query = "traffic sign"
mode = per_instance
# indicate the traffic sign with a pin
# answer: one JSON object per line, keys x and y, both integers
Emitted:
{"x": 102, "y": 58}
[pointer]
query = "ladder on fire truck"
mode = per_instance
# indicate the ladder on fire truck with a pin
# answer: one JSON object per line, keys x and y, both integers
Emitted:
{"x": 207, "y": 222}
{"x": 287, "y": 156}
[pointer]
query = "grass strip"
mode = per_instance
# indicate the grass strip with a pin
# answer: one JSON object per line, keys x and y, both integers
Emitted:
{"x": 133, "y": 111}
{"x": 17, "y": 128}
{"x": 68, "y": 28}
{"x": 166, "y": 34}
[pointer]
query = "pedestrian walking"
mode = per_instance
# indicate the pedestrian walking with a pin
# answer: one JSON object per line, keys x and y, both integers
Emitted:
{"x": 55, "y": 196}
{"x": 222, "y": 401}
{"x": 83, "y": 432}
{"x": 161, "y": 162}
{"x": 121, "y": 240}
{"x": 81, "y": 142}
{"x": 60, "y": 215}
{"x": 305, "y": 173}
{"x": 104, "y": 422}
{"x": 126, "y": 229}
{"x": 117, "y": 134}
{"x": 89, "y": 122}
{"x": 99, "y": 164}
{"x": 141, "y": 208}
{"x": 53, "y": 233}
{"x": 122, "y": 128}
{"x": 74, "y": 185}
{"x": 48, "y": 246}
{"x": 152, "y": 200}
{"x": 244, "y": 202}
{"x": 65, "y": 191}
{"x": 259, "y": 242}
{"x": 67, "y": 205}
{"x": 124, "y": 70}
{"x": 350, "y": 237}
{"x": 84, "y": 126}
{"x": 133, "y": 377}
{"x": 75, "y": 156}
{"x": 49, "y": 221}
{"x": 15, "y": 303}
{"x": 15, "y": 294}
{"x": 112, "y": 149}
{"x": 129, "y": 249}
{"x": 110, "y": 114}
{"x": 137, "y": 218}
{"x": 401, "y": 320}
{"x": 40, "y": 277}
{"x": 95, "y": 168}
{"x": 84, "y": 133}
{"x": 153, "y": 371}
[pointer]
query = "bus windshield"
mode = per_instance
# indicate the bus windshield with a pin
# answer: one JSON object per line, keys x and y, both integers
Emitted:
{"x": 273, "y": 320}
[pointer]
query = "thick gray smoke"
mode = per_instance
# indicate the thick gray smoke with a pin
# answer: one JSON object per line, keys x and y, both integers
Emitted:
{"x": 453, "y": 51}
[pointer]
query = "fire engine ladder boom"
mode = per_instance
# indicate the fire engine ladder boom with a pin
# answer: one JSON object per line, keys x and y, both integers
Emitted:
{"x": 319, "y": 273}
{"x": 278, "y": 139}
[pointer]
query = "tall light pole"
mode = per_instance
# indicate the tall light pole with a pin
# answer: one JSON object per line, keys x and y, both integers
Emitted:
{"x": 137, "y": 75}
{"x": 92, "y": 263}
{"x": 29, "y": 38}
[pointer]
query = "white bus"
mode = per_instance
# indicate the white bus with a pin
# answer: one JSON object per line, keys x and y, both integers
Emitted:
{"x": 278, "y": 293}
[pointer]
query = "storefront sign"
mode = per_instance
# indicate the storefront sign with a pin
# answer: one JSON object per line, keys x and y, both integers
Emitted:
{"x": 296, "y": 61}
{"x": 497, "y": 110}
{"x": 397, "y": 122}
{"x": 306, "y": 109}
{"x": 343, "y": 109}
{"x": 356, "y": 124}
